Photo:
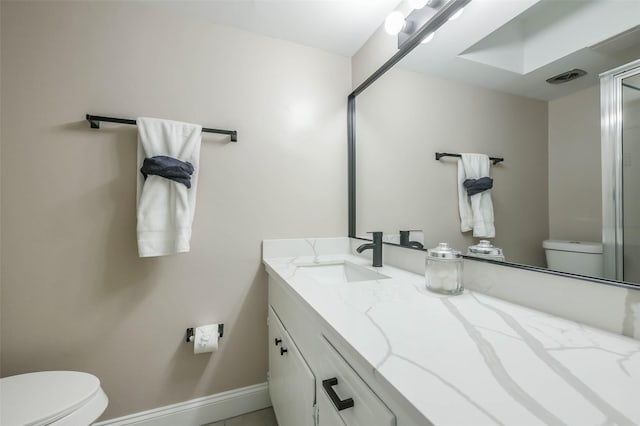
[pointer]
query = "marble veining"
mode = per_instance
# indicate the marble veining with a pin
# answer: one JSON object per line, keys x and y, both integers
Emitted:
{"x": 612, "y": 414}
{"x": 390, "y": 353}
{"x": 502, "y": 376}
{"x": 471, "y": 359}
{"x": 632, "y": 313}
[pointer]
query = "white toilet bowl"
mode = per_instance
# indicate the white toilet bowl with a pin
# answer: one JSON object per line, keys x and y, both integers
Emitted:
{"x": 58, "y": 398}
{"x": 576, "y": 257}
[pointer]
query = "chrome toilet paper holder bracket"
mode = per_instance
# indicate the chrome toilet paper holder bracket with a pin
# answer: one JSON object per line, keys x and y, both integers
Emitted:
{"x": 191, "y": 332}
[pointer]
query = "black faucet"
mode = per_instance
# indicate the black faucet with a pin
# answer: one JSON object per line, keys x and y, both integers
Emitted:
{"x": 376, "y": 245}
{"x": 406, "y": 241}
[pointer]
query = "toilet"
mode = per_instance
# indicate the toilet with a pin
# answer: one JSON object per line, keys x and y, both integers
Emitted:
{"x": 59, "y": 398}
{"x": 576, "y": 257}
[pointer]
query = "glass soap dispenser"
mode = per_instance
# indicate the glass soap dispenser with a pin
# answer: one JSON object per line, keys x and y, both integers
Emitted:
{"x": 444, "y": 270}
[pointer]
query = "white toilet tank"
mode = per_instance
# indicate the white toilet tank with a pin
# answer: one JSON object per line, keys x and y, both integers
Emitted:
{"x": 576, "y": 257}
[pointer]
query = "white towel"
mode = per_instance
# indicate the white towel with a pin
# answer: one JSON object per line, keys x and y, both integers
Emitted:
{"x": 476, "y": 212}
{"x": 166, "y": 207}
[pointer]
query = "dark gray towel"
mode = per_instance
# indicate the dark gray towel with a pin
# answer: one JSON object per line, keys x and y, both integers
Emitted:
{"x": 476, "y": 186}
{"x": 168, "y": 168}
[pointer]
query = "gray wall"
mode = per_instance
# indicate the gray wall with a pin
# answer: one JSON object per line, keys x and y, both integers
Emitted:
{"x": 404, "y": 118}
{"x": 74, "y": 293}
{"x": 575, "y": 178}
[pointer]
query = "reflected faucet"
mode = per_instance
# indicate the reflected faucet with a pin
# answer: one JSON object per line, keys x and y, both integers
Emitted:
{"x": 376, "y": 246}
{"x": 406, "y": 241}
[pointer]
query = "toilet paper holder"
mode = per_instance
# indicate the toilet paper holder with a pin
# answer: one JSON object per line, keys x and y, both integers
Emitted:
{"x": 191, "y": 332}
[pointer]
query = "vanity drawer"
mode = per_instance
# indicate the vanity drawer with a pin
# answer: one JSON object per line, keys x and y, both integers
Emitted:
{"x": 347, "y": 395}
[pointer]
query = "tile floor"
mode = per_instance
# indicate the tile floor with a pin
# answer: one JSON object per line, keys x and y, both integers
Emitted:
{"x": 257, "y": 418}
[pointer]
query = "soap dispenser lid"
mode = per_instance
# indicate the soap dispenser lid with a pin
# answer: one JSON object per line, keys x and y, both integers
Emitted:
{"x": 485, "y": 247}
{"x": 443, "y": 251}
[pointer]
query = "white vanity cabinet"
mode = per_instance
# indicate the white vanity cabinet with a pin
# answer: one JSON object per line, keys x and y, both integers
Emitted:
{"x": 378, "y": 358}
{"x": 291, "y": 382}
{"x": 310, "y": 381}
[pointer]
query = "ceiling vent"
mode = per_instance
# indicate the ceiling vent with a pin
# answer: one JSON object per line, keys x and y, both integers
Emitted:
{"x": 567, "y": 76}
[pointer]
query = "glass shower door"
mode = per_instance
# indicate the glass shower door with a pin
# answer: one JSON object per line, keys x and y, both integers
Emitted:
{"x": 631, "y": 178}
{"x": 620, "y": 108}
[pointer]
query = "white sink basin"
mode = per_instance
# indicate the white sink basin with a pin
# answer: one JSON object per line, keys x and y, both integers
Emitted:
{"x": 339, "y": 272}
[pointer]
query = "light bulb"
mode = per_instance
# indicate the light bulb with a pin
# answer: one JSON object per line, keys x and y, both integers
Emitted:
{"x": 456, "y": 15}
{"x": 428, "y": 38}
{"x": 417, "y": 4}
{"x": 394, "y": 23}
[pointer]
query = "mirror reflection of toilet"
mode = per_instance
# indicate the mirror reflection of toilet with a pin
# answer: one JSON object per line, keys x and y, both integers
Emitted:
{"x": 57, "y": 398}
{"x": 576, "y": 257}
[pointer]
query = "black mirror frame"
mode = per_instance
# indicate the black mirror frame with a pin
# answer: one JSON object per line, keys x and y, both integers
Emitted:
{"x": 408, "y": 45}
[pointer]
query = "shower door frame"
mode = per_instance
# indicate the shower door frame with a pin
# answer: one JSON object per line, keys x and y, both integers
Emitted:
{"x": 612, "y": 196}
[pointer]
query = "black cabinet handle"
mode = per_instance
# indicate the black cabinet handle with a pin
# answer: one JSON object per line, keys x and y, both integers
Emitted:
{"x": 278, "y": 341}
{"x": 283, "y": 351}
{"x": 341, "y": 404}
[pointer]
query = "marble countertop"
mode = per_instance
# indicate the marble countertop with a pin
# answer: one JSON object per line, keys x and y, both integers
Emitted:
{"x": 473, "y": 359}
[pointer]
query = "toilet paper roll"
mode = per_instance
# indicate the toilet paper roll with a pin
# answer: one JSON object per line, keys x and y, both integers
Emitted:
{"x": 206, "y": 339}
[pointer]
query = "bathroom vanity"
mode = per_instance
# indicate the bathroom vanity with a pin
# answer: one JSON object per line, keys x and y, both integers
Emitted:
{"x": 350, "y": 344}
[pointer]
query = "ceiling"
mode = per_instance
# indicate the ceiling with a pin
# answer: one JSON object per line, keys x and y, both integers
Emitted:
{"x": 338, "y": 26}
{"x": 507, "y": 45}
{"x": 515, "y": 45}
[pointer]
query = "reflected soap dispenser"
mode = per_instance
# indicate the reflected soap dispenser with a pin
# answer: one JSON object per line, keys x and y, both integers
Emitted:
{"x": 443, "y": 271}
{"x": 486, "y": 250}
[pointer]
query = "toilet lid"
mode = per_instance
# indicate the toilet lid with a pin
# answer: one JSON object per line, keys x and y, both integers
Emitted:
{"x": 44, "y": 397}
{"x": 574, "y": 246}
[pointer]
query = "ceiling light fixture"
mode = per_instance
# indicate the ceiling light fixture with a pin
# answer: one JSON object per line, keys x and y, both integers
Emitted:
{"x": 420, "y": 24}
{"x": 456, "y": 15}
{"x": 428, "y": 38}
{"x": 417, "y": 4}
{"x": 394, "y": 23}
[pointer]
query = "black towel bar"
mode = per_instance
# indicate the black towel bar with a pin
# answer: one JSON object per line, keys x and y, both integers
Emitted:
{"x": 95, "y": 120}
{"x": 439, "y": 155}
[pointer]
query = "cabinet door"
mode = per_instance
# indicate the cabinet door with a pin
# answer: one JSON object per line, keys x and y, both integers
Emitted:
{"x": 291, "y": 382}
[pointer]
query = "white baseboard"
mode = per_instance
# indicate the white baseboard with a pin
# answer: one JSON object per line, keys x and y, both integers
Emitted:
{"x": 197, "y": 412}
